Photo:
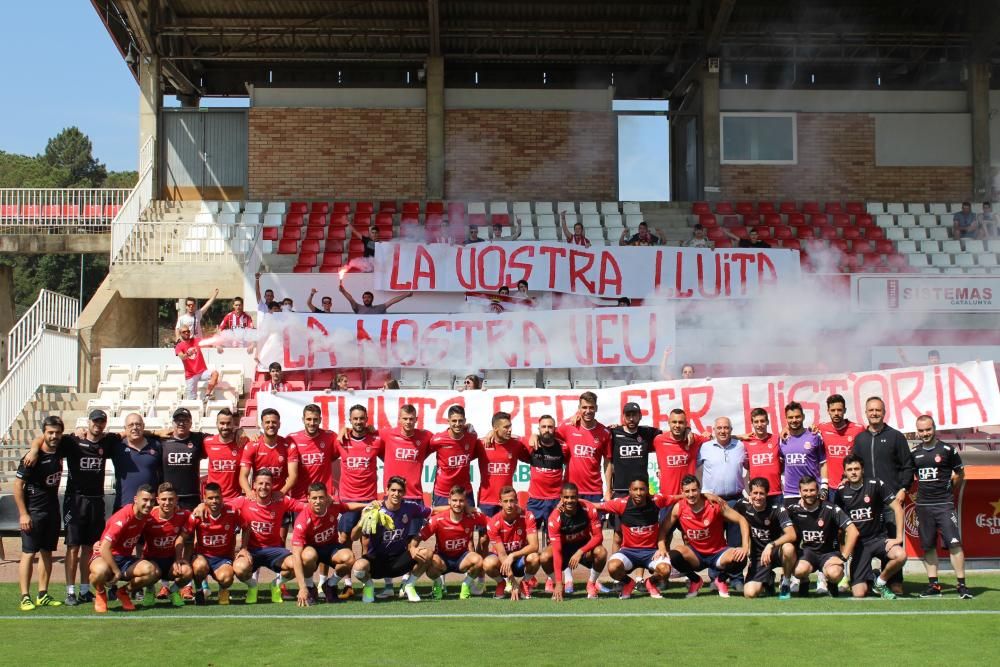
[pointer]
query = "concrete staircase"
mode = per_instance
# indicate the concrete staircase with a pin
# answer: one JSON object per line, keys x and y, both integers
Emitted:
{"x": 672, "y": 218}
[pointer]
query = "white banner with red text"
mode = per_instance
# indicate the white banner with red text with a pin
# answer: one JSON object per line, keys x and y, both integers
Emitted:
{"x": 611, "y": 271}
{"x": 957, "y": 396}
{"x": 541, "y": 339}
{"x": 925, "y": 294}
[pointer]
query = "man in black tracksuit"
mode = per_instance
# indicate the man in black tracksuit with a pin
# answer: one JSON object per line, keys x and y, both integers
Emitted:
{"x": 886, "y": 454}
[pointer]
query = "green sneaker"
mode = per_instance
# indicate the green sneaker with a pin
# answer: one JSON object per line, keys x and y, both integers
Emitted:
{"x": 276, "y": 594}
{"x": 176, "y": 599}
{"x": 251, "y": 596}
{"x": 437, "y": 592}
{"x": 149, "y": 598}
{"x": 465, "y": 593}
{"x": 411, "y": 593}
{"x": 45, "y": 600}
{"x": 785, "y": 592}
{"x": 883, "y": 591}
{"x": 368, "y": 591}
{"x": 26, "y": 603}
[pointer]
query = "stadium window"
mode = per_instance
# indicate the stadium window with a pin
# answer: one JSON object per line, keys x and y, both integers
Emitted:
{"x": 759, "y": 138}
{"x": 545, "y": 78}
{"x": 407, "y": 76}
{"x": 643, "y": 150}
{"x": 477, "y": 78}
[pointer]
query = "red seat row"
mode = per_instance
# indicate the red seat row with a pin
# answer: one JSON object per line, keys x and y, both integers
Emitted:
{"x": 785, "y": 207}
{"x": 32, "y": 211}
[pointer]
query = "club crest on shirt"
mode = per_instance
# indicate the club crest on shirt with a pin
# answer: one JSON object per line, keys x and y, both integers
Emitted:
{"x": 868, "y": 499}
{"x": 190, "y": 446}
{"x": 706, "y": 522}
{"x": 509, "y": 456}
{"x": 820, "y": 523}
{"x": 937, "y": 459}
{"x": 406, "y": 518}
{"x": 281, "y": 459}
{"x": 807, "y": 446}
{"x": 100, "y": 451}
{"x": 767, "y": 522}
{"x": 850, "y": 438}
{"x": 519, "y": 532}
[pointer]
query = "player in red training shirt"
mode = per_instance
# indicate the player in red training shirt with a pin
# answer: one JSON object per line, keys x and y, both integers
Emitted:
{"x": 640, "y": 523}
{"x": 223, "y": 452}
{"x": 453, "y": 550}
{"x": 455, "y": 449}
{"x": 838, "y": 439}
{"x": 575, "y": 539}
{"x": 163, "y": 544}
{"x": 498, "y": 459}
{"x": 406, "y": 447}
{"x": 703, "y": 528}
{"x": 589, "y": 444}
{"x": 214, "y": 544}
{"x": 271, "y": 452}
{"x": 315, "y": 542}
{"x": 513, "y": 538}
{"x": 262, "y": 543}
{"x": 676, "y": 453}
{"x": 317, "y": 450}
{"x": 113, "y": 557}
{"x": 763, "y": 455}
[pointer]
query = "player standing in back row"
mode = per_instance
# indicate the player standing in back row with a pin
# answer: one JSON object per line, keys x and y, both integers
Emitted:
{"x": 939, "y": 470}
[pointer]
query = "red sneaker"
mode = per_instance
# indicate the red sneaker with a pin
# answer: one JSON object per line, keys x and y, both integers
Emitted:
{"x": 163, "y": 593}
{"x": 123, "y": 597}
{"x": 653, "y": 589}
{"x": 187, "y": 593}
{"x": 550, "y": 585}
{"x": 722, "y": 587}
{"x": 694, "y": 587}
{"x": 592, "y": 590}
{"x": 627, "y": 588}
{"x": 499, "y": 594}
{"x": 101, "y": 602}
{"x": 526, "y": 589}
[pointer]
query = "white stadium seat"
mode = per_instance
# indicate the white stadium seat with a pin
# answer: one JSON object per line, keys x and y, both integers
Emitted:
{"x": 937, "y": 209}
{"x": 273, "y": 219}
{"x": 230, "y": 207}
{"x": 895, "y": 233}
{"x": 631, "y": 207}
{"x": 556, "y": 378}
{"x": 523, "y": 379}
{"x": 439, "y": 379}
{"x": 964, "y": 259}
{"x": 906, "y": 220}
{"x": 412, "y": 378}
{"x": 499, "y": 208}
{"x": 907, "y": 247}
{"x": 567, "y": 206}
{"x": 917, "y": 233}
{"x": 875, "y": 207}
{"x": 476, "y": 208}
{"x": 941, "y": 259}
{"x": 986, "y": 259}
{"x": 522, "y": 208}
{"x": 974, "y": 245}
{"x": 939, "y": 233}
{"x": 119, "y": 374}
{"x": 547, "y": 234}
{"x": 927, "y": 220}
{"x": 276, "y": 207}
{"x": 208, "y": 207}
{"x": 253, "y": 207}
{"x": 917, "y": 260}
{"x": 609, "y": 207}
{"x": 588, "y": 208}
{"x": 590, "y": 219}
{"x": 915, "y": 208}
{"x": 952, "y": 247}
{"x": 895, "y": 208}
{"x": 885, "y": 221}
{"x": 544, "y": 207}
{"x": 927, "y": 246}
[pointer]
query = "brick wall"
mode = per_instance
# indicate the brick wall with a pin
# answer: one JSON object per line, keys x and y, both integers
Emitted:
{"x": 521, "y": 154}
{"x": 348, "y": 153}
{"x": 837, "y": 161}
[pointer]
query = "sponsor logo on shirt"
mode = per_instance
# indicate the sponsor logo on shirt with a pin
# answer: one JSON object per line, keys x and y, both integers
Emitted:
{"x": 91, "y": 463}
{"x": 760, "y": 533}
{"x": 180, "y": 458}
{"x": 796, "y": 458}
{"x": 214, "y": 540}
{"x": 456, "y": 461}
{"x": 311, "y": 459}
{"x": 763, "y": 459}
{"x": 406, "y": 454}
{"x": 629, "y": 451}
{"x": 53, "y": 479}
{"x": 644, "y": 530}
{"x": 927, "y": 474}
{"x": 861, "y": 514}
{"x": 455, "y": 545}
{"x": 260, "y": 527}
{"x": 838, "y": 450}
{"x": 357, "y": 462}
{"x": 163, "y": 542}
{"x": 812, "y": 535}
{"x": 499, "y": 468}
{"x": 130, "y": 542}
{"x": 223, "y": 466}
{"x": 584, "y": 450}
{"x": 389, "y": 536}
{"x": 677, "y": 460}
{"x": 697, "y": 534}
{"x": 324, "y": 536}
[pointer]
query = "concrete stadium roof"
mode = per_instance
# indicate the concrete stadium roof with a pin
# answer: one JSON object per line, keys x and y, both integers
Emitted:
{"x": 215, "y": 47}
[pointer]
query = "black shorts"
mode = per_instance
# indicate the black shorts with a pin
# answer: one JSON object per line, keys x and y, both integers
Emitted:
{"x": 84, "y": 519}
{"x": 861, "y": 559}
{"x": 44, "y": 533}
{"x": 934, "y": 519}
{"x": 760, "y": 573}
{"x": 815, "y": 558}
{"x": 325, "y": 552}
{"x": 391, "y": 566}
{"x": 166, "y": 566}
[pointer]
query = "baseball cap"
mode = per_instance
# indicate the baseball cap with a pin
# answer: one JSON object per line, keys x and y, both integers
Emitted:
{"x": 98, "y": 415}
{"x": 631, "y": 407}
{"x": 181, "y": 412}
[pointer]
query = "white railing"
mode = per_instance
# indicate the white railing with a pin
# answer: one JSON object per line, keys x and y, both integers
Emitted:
{"x": 51, "y": 359}
{"x": 189, "y": 243}
{"x": 137, "y": 201}
{"x": 71, "y": 210}
{"x": 49, "y": 310}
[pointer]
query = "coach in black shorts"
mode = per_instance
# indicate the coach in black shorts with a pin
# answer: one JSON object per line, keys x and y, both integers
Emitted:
{"x": 183, "y": 450}
{"x": 818, "y": 525}
{"x": 772, "y": 540}
{"x": 939, "y": 469}
{"x": 631, "y": 445}
{"x": 36, "y": 493}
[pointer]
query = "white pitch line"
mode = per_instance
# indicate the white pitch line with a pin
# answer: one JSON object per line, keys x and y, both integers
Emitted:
{"x": 511, "y": 616}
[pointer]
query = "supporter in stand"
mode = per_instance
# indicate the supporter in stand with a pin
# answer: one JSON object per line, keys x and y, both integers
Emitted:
{"x": 753, "y": 240}
{"x": 987, "y": 225}
{"x": 287, "y": 305}
{"x": 276, "y": 382}
{"x": 698, "y": 239}
{"x": 368, "y": 241}
{"x": 341, "y": 383}
{"x": 471, "y": 382}
{"x": 496, "y": 232}
{"x": 642, "y": 237}
{"x": 577, "y": 237}
{"x": 963, "y": 224}
{"x": 236, "y": 319}
{"x": 473, "y": 236}
{"x": 326, "y": 301}
{"x": 191, "y": 317}
{"x": 391, "y": 383}
{"x": 263, "y": 305}
{"x": 368, "y": 305}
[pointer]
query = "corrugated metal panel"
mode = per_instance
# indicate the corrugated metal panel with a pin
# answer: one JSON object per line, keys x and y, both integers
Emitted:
{"x": 183, "y": 135}
{"x": 225, "y": 149}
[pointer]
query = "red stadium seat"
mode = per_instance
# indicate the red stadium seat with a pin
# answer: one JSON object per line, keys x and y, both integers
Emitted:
{"x": 385, "y": 231}
{"x": 343, "y": 207}
{"x": 409, "y": 230}
{"x": 387, "y": 206}
{"x": 731, "y": 221}
{"x": 288, "y": 247}
{"x": 810, "y": 207}
{"x": 89, "y": 211}
{"x": 456, "y": 208}
{"x": 315, "y": 232}
{"x": 897, "y": 262}
{"x": 766, "y": 207}
{"x": 751, "y": 220}
{"x": 839, "y": 244}
{"x": 716, "y": 233}
{"x": 852, "y": 233}
{"x": 383, "y": 219}
{"x": 721, "y": 243}
{"x": 437, "y": 207}
{"x": 310, "y": 245}
{"x": 885, "y": 246}
{"x": 111, "y": 210}
{"x": 805, "y": 233}
{"x": 741, "y": 232}
{"x": 871, "y": 262}
{"x": 866, "y": 247}
{"x": 840, "y": 220}
{"x": 330, "y": 268}
{"x": 724, "y": 208}
{"x": 307, "y": 259}
{"x": 791, "y": 244}
{"x": 291, "y": 233}
{"x": 828, "y": 233}
{"x": 818, "y": 219}
{"x": 338, "y": 233}
{"x": 746, "y": 208}
{"x": 700, "y": 208}
{"x": 496, "y": 219}
{"x": 317, "y": 219}
{"x": 375, "y": 378}
{"x": 269, "y": 234}
{"x": 364, "y": 207}
{"x": 299, "y": 207}
{"x": 294, "y": 220}
{"x": 832, "y": 207}
{"x": 300, "y": 268}
{"x": 787, "y": 207}
{"x": 864, "y": 220}
{"x": 339, "y": 220}
{"x": 849, "y": 263}
{"x": 334, "y": 245}
{"x": 478, "y": 219}
{"x": 772, "y": 219}
{"x": 796, "y": 219}
{"x": 855, "y": 208}
{"x": 874, "y": 233}
{"x": 70, "y": 211}
{"x": 411, "y": 207}
{"x": 333, "y": 259}
{"x": 707, "y": 220}
{"x": 355, "y": 248}
{"x": 409, "y": 218}
{"x": 319, "y": 207}
{"x": 783, "y": 233}
{"x": 764, "y": 232}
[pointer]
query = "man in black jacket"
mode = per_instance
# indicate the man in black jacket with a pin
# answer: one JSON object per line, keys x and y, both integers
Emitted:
{"x": 886, "y": 454}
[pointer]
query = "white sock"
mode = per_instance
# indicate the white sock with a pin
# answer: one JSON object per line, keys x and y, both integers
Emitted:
{"x": 205, "y": 586}
{"x": 440, "y": 581}
{"x": 71, "y": 589}
{"x": 322, "y": 579}
{"x": 410, "y": 580}
{"x": 785, "y": 581}
{"x": 467, "y": 580}
{"x": 358, "y": 575}
{"x": 568, "y": 575}
{"x": 481, "y": 578}
{"x": 278, "y": 579}
{"x": 84, "y": 589}
{"x": 255, "y": 577}
{"x": 820, "y": 578}
{"x": 594, "y": 575}
{"x": 880, "y": 582}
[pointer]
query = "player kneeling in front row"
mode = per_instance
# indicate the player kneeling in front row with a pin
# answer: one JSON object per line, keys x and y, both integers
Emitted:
{"x": 864, "y": 501}
{"x": 703, "y": 527}
{"x": 391, "y": 548}
{"x": 114, "y": 557}
{"x": 513, "y": 537}
{"x": 453, "y": 531}
{"x": 316, "y": 541}
{"x": 163, "y": 544}
{"x": 639, "y": 518}
{"x": 575, "y": 539}
{"x": 772, "y": 539}
{"x": 214, "y": 544}
{"x": 818, "y": 525}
